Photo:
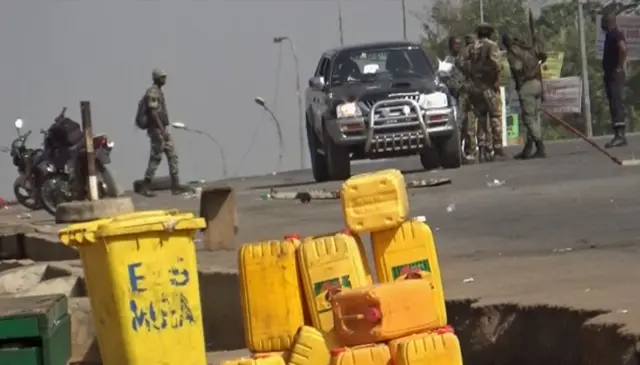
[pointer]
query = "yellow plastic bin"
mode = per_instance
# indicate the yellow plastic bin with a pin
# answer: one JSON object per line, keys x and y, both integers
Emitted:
{"x": 142, "y": 279}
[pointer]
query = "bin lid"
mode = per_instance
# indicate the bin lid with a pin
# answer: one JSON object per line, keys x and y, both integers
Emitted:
{"x": 77, "y": 233}
{"x": 156, "y": 223}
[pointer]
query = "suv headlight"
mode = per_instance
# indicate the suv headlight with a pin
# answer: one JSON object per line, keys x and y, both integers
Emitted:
{"x": 433, "y": 100}
{"x": 348, "y": 110}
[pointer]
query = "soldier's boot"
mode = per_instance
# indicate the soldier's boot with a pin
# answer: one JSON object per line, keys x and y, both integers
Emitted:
{"x": 619, "y": 139}
{"x": 468, "y": 159}
{"x": 527, "y": 151}
{"x": 145, "y": 189}
{"x": 540, "y": 150}
{"x": 499, "y": 154}
{"x": 176, "y": 188}
{"x": 484, "y": 155}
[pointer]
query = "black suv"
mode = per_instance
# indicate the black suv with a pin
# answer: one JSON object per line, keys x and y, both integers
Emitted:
{"x": 378, "y": 100}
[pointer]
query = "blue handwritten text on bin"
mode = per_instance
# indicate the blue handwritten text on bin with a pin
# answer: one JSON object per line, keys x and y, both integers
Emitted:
{"x": 168, "y": 310}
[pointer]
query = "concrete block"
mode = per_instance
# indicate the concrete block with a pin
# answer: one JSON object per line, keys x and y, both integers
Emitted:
{"x": 84, "y": 344}
{"x": 10, "y": 247}
{"x": 221, "y": 309}
{"x": 68, "y": 285}
{"x": 85, "y": 211}
{"x": 218, "y": 207}
{"x": 21, "y": 279}
{"x": 10, "y": 264}
{"x": 39, "y": 247}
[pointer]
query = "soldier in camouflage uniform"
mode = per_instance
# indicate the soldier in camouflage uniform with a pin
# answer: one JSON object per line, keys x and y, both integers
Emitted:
{"x": 484, "y": 96}
{"x": 469, "y": 121}
{"x": 524, "y": 62}
{"x": 157, "y": 130}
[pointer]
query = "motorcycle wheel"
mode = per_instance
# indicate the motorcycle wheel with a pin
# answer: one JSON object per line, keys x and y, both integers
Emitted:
{"x": 25, "y": 194}
{"x": 109, "y": 187}
{"x": 53, "y": 191}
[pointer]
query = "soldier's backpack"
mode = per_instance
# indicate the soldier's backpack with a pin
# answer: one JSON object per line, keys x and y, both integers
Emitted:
{"x": 142, "y": 116}
{"x": 530, "y": 63}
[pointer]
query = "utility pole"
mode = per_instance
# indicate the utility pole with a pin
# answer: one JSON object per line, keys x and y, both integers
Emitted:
{"x": 340, "y": 23}
{"x": 92, "y": 180}
{"x": 586, "y": 97}
{"x": 404, "y": 20}
{"x": 481, "y": 11}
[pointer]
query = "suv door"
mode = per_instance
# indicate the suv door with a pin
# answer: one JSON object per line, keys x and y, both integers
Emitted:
{"x": 320, "y": 96}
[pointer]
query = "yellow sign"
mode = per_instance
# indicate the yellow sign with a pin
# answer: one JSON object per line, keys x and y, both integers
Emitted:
{"x": 553, "y": 67}
{"x": 550, "y": 69}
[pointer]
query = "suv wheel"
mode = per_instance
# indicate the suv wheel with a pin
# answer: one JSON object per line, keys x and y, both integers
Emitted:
{"x": 318, "y": 160}
{"x": 429, "y": 159}
{"x": 337, "y": 157}
{"x": 450, "y": 150}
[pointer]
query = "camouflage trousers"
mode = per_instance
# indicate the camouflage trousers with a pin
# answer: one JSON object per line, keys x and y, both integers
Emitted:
{"x": 486, "y": 108}
{"x": 161, "y": 144}
{"x": 469, "y": 125}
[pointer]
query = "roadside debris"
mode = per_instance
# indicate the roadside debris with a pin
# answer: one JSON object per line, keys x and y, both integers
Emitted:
{"x": 451, "y": 208}
{"x": 562, "y": 250}
{"x": 495, "y": 183}
{"x": 24, "y": 216}
{"x": 428, "y": 183}
{"x": 322, "y": 194}
{"x": 468, "y": 280}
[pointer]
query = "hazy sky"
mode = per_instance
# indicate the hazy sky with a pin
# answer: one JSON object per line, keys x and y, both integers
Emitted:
{"x": 219, "y": 55}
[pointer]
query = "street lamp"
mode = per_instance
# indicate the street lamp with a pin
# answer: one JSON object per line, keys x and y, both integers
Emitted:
{"x": 263, "y": 104}
{"x": 179, "y": 125}
{"x": 300, "y": 104}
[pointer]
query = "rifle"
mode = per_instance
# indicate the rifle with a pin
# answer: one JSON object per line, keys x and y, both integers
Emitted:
{"x": 535, "y": 49}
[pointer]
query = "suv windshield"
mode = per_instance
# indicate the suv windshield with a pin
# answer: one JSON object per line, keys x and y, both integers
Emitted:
{"x": 373, "y": 64}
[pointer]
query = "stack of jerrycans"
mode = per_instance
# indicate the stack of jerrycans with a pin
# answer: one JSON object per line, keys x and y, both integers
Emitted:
{"x": 402, "y": 319}
{"x": 329, "y": 264}
{"x": 285, "y": 289}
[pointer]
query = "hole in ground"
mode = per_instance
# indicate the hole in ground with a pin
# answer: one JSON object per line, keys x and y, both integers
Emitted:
{"x": 509, "y": 334}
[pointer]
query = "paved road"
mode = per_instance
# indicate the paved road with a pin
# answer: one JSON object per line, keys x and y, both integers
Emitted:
{"x": 554, "y": 228}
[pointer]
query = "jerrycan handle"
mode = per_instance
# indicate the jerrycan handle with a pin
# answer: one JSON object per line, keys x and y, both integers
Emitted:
{"x": 371, "y": 314}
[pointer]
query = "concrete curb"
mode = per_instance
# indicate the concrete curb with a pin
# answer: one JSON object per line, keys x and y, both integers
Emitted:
{"x": 84, "y": 211}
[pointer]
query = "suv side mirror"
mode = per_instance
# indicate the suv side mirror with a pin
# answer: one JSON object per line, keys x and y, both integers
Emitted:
{"x": 316, "y": 82}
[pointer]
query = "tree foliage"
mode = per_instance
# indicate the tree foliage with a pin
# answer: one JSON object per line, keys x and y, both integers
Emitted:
{"x": 556, "y": 26}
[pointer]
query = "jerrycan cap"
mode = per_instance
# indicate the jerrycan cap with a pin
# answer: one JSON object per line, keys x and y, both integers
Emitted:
{"x": 337, "y": 351}
{"x": 445, "y": 329}
{"x": 292, "y": 236}
{"x": 421, "y": 218}
{"x": 372, "y": 314}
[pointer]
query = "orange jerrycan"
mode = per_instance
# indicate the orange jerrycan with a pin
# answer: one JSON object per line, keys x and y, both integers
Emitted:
{"x": 440, "y": 347}
{"x": 270, "y": 293}
{"x": 408, "y": 249}
{"x": 376, "y": 354}
{"x": 382, "y": 312}
{"x": 326, "y": 263}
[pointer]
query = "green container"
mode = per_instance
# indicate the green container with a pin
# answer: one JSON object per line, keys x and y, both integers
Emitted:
{"x": 35, "y": 330}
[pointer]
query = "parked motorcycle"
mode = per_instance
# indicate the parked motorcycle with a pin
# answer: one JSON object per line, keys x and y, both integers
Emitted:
{"x": 61, "y": 186}
{"x": 32, "y": 169}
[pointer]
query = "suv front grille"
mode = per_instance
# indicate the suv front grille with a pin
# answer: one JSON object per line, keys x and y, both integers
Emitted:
{"x": 369, "y": 103}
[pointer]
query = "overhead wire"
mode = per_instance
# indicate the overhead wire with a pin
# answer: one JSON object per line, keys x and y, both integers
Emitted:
{"x": 259, "y": 123}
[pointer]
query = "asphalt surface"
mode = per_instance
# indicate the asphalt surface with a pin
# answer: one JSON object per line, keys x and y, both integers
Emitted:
{"x": 559, "y": 231}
